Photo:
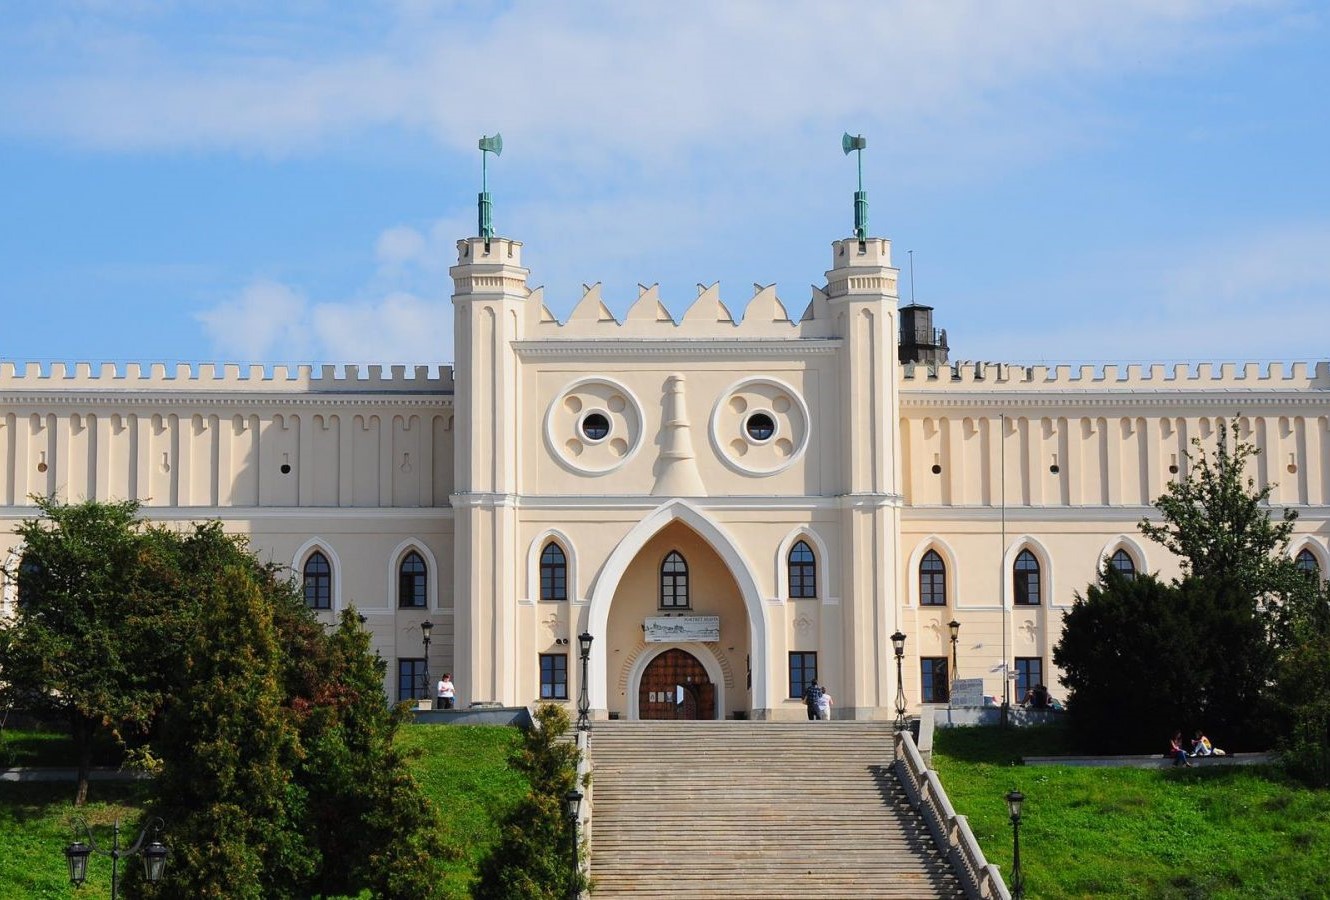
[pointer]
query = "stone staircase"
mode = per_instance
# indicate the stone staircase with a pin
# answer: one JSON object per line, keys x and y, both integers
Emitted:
{"x": 756, "y": 810}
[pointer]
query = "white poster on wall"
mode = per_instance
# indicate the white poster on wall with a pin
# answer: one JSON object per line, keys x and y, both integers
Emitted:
{"x": 682, "y": 629}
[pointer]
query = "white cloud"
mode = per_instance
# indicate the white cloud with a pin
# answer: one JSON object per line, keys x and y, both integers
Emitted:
{"x": 1245, "y": 296}
{"x": 268, "y": 321}
{"x": 264, "y": 317}
{"x": 400, "y": 328}
{"x": 598, "y": 81}
{"x": 399, "y": 245}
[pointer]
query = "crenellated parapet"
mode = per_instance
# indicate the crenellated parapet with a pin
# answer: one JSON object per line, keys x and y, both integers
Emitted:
{"x": 765, "y": 315}
{"x": 1298, "y": 376}
{"x": 209, "y": 377}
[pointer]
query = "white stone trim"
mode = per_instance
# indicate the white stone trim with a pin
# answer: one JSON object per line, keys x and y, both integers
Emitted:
{"x": 953, "y": 574}
{"x": 718, "y": 444}
{"x": 1133, "y": 548}
{"x": 554, "y": 445}
{"x": 324, "y": 547}
{"x": 701, "y": 652}
{"x": 537, "y": 547}
{"x": 820, "y": 560}
{"x": 616, "y": 564}
{"x": 1307, "y": 542}
{"x": 431, "y": 577}
{"x": 8, "y": 585}
{"x": 1045, "y": 559}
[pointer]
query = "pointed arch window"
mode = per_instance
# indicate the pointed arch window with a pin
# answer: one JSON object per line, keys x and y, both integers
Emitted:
{"x": 317, "y": 575}
{"x": 1122, "y": 563}
{"x": 932, "y": 580}
{"x": 1307, "y": 564}
{"x": 1026, "y": 579}
{"x": 411, "y": 583}
{"x": 674, "y": 582}
{"x": 553, "y": 573}
{"x": 803, "y": 571}
{"x": 30, "y": 573}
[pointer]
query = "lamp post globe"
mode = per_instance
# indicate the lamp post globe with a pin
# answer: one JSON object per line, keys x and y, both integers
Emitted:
{"x": 898, "y": 645}
{"x": 583, "y": 698}
{"x": 573, "y": 804}
{"x": 1014, "y": 800}
{"x": 76, "y": 854}
{"x": 955, "y": 628}
{"x": 426, "y": 628}
{"x": 154, "y": 854}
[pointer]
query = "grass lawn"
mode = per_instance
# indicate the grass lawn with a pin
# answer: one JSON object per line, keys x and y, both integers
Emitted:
{"x": 36, "y": 824}
{"x": 1206, "y": 832}
{"x": 462, "y": 769}
{"x": 45, "y": 747}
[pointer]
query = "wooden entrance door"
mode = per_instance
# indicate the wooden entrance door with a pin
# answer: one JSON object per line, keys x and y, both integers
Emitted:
{"x": 676, "y": 686}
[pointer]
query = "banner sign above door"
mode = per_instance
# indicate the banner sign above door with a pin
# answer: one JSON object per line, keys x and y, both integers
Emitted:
{"x": 682, "y": 629}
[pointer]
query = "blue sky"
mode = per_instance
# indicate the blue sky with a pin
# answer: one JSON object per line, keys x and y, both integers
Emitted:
{"x": 258, "y": 182}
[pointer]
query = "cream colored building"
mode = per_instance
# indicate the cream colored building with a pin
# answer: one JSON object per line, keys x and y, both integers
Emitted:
{"x": 728, "y": 502}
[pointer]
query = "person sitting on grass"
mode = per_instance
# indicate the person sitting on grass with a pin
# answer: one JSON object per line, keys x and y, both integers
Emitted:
{"x": 1176, "y": 750}
{"x": 1201, "y": 746}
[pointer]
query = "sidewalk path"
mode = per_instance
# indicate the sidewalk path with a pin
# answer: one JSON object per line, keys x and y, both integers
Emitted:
{"x": 36, "y": 773}
{"x": 1159, "y": 761}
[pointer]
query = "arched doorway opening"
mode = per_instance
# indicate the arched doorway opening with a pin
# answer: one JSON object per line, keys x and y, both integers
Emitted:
{"x": 675, "y": 685}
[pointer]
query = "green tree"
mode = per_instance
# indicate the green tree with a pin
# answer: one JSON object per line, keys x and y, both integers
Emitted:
{"x": 282, "y": 746}
{"x": 94, "y": 638}
{"x": 532, "y": 859}
{"x": 1123, "y": 654}
{"x": 372, "y": 825}
{"x": 229, "y": 744}
{"x": 1217, "y": 522}
{"x": 1142, "y": 659}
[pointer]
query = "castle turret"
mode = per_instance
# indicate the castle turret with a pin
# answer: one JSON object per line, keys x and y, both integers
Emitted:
{"x": 489, "y": 297}
{"x": 862, "y": 295}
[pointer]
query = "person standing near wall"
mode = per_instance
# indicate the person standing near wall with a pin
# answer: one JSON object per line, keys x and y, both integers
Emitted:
{"x": 813, "y": 698}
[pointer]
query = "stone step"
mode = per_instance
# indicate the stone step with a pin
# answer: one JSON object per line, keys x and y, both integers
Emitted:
{"x": 760, "y": 810}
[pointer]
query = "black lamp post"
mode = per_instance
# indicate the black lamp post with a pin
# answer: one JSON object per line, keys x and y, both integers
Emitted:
{"x": 583, "y": 701}
{"x": 955, "y": 628}
{"x": 154, "y": 854}
{"x": 573, "y": 801}
{"x": 426, "y": 628}
{"x": 898, "y": 644}
{"x": 1014, "y": 801}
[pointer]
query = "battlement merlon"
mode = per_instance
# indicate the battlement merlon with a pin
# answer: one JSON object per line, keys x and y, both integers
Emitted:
{"x": 489, "y": 267}
{"x": 214, "y": 378}
{"x": 998, "y": 377}
{"x": 861, "y": 268}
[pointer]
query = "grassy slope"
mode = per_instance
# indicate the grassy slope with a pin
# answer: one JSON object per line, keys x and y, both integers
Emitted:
{"x": 1191, "y": 833}
{"x": 462, "y": 769}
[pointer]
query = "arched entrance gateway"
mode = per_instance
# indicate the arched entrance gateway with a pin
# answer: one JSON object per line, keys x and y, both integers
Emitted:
{"x": 677, "y": 624}
{"x": 675, "y": 685}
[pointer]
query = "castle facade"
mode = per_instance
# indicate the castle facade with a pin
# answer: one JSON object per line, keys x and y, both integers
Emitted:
{"x": 729, "y": 503}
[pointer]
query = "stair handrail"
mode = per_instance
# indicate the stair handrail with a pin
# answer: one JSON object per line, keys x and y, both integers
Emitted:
{"x": 585, "y": 783}
{"x": 980, "y": 878}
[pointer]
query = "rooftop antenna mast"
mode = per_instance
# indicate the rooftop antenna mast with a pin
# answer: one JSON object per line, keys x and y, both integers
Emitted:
{"x": 487, "y": 145}
{"x": 911, "y": 252}
{"x": 857, "y": 143}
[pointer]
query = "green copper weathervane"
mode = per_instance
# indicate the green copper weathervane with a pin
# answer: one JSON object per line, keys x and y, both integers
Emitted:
{"x": 857, "y": 143}
{"x": 487, "y": 145}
